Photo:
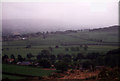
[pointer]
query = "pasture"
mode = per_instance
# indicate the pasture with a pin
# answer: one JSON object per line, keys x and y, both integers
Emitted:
{"x": 61, "y": 50}
{"x": 109, "y": 39}
{"x": 23, "y": 70}
{"x": 76, "y": 38}
{"x": 101, "y": 42}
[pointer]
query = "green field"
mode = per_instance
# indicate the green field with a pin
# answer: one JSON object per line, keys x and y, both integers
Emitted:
{"x": 70, "y": 38}
{"x": 109, "y": 38}
{"x": 4, "y": 76}
{"x": 24, "y": 70}
{"x": 109, "y": 41}
{"x": 61, "y": 50}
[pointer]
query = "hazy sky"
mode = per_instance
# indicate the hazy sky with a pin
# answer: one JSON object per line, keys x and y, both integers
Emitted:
{"x": 89, "y": 13}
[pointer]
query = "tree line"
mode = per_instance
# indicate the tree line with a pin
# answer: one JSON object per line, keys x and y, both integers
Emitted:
{"x": 64, "y": 62}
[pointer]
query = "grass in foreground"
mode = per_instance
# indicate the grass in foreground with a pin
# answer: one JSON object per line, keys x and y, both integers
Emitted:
{"x": 26, "y": 70}
{"x": 5, "y": 76}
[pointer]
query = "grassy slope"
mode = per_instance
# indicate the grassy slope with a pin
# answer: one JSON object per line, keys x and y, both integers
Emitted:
{"x": 107, "y": 36}
{"x": 50, "y": 40}
{"x": 38, "y": 43}
{"x": 57, "y": 39}
{"x": 26, "y": 70}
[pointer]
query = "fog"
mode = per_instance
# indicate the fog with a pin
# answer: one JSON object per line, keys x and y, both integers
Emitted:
{"x": 52, "y": 16}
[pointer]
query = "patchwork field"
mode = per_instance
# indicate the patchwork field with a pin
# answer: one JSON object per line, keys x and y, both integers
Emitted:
{"x": 101, "y": 42}
{"x": 109, "y": 41}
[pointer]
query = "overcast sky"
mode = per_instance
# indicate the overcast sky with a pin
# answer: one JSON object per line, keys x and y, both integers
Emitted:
{"x": 88, "y": 13}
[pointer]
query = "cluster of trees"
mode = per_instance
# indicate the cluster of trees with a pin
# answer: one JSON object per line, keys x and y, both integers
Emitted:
{"x": 85, "y": 47}
{"x": 66, "y": 61}
{"x": 19, "y": 58}
{"x": 89, "y": 61}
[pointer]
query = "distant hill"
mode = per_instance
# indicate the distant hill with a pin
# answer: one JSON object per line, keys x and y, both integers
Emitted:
{"x": 111, "y": 28}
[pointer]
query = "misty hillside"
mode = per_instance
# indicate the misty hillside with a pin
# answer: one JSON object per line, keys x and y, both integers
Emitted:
{"x": 30, "y": 26}
{"x": 103, "y": 36}
{"x": 33, "y": 26}
{"x": 111, "y": 28}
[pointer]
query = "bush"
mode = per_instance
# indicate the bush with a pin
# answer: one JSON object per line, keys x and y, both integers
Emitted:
{"x": 109, "y": 75}
{"x": 62, "y": 66}
{"x": 44, "y": 63}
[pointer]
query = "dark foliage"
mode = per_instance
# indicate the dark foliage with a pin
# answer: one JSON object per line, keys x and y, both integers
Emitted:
{"x": 20, "y": 58}
{"x": 29, "y": 55}
{"x": 109, "y": 75}
{"x": 44, "y": 63}
{"x": 62, "y": 66}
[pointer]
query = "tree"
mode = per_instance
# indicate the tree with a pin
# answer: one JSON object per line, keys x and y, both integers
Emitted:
{"x": 62, "y": 66}
{"x": 92, "y": 55}
{"x": 52, "y": 58}
{"x": 28, "y": 46}
{"x": 45, "y": 54}
{"x": 80, "y": 56}
{"x": 68, "y": 56}
{"x": 29, "y": 55}
{"x": 20, "y": 58}
{"x": 47, "y": 32}
{"x": 100, "y": 61}
{"x": 59, "y": 56}
{"x": 88, "y": 64}
{"x": 43, "y": 35}
{"x": 12, "y": 56}
{"x": 7, "y": 48}
{"x": 67, "y": 60}
{"x": 4, "y": 58}
{"x": 112, "y": 58}
{"x": 38, "y": 57}
{"x": 44, "y": 63}
{"x": 56, "y": 46}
